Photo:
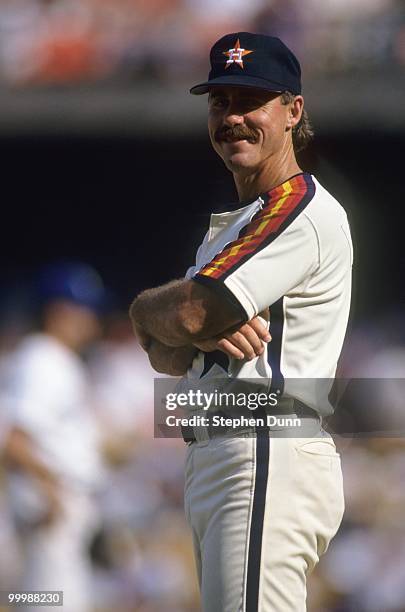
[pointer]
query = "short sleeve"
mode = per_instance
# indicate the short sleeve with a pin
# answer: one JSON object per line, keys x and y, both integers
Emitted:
{"x": 32, "y": 388}
{"x": 273, "y": 254}
{"x": 28, "y": 398}
{"x": 270, "y": 273}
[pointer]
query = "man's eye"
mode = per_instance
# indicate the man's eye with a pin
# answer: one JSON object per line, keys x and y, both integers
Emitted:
{"x": 219, "y": 102}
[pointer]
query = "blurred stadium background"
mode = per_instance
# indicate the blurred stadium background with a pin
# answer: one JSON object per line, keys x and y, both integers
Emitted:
{"x": 105, "y": 159}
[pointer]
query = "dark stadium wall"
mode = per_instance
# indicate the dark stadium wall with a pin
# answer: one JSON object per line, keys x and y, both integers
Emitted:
{"x": 134, "y": 208}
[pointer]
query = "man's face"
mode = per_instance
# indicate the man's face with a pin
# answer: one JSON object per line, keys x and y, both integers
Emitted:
{"x": 75, "y": 324}
{"x": 247, "y": 126}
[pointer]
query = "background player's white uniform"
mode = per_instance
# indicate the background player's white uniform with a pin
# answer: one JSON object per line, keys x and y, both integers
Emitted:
{"x": 261, "y": 510}
{"x": 47, "y": 397}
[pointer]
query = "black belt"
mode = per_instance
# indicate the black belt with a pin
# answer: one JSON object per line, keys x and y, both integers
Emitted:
{"x": 298, "y": 408}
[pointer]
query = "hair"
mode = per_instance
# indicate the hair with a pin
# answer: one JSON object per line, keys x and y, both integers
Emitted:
{"x": 303, "y": 132}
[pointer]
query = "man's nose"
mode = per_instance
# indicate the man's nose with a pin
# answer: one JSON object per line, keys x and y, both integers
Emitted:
{"x": 234, "y": 115}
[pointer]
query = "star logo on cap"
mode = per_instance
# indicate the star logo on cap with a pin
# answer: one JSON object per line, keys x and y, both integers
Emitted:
{"x": 235, "y": 55}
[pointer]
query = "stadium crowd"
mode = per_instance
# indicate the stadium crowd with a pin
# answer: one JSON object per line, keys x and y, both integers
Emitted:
{"x": 64, "y": 42}
{"x": 76, "y": 413}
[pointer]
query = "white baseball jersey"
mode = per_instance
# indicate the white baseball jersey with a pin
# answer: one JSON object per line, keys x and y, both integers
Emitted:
{"x": 46, "y": 394}
{"x": 289, "y": 251}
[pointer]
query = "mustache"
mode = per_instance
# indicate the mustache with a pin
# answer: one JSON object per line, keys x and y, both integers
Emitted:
{"x": 237, "y": 132}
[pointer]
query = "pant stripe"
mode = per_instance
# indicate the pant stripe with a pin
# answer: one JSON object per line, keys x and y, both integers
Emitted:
{"x": 256, "y": 527}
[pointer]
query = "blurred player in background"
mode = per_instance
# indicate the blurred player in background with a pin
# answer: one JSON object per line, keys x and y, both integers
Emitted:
{"x": 51, "y": 449}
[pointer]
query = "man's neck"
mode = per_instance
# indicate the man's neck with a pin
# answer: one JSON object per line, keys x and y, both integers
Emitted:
{"x": 271, "y": 175}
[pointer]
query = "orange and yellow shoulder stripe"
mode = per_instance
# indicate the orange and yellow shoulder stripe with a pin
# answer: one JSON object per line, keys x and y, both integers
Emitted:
{"x": 283, "y": 204}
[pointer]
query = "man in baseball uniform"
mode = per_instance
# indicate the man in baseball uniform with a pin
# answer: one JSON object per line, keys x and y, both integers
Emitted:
{"x": 52, "y": 446}
{"x": 263, "y": 502}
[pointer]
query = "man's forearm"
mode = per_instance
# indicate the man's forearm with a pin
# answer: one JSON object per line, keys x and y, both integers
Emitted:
{"x": 150, "y": 317}
{"x": 20, "y": 453}
{"x": 182, "y": 312}
{"x": 170, "y": 360}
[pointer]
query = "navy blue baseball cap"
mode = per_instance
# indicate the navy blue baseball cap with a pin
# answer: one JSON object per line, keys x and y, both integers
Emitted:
{"x": 252, "y": 60}
{"x": 74, "y": 282}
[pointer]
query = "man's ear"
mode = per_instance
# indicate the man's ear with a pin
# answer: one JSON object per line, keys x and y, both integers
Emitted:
{"x": 295, "y": 110}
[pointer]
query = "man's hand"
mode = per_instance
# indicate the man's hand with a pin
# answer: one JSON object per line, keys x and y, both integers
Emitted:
{"x": 21, "y": 453}
{"x": 243, "y": 342}
{"x": 51, "y": 492}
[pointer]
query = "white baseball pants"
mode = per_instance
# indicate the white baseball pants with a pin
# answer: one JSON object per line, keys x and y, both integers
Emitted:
{"x": 262, "y": 510}
{"x": 56, "y": 557}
